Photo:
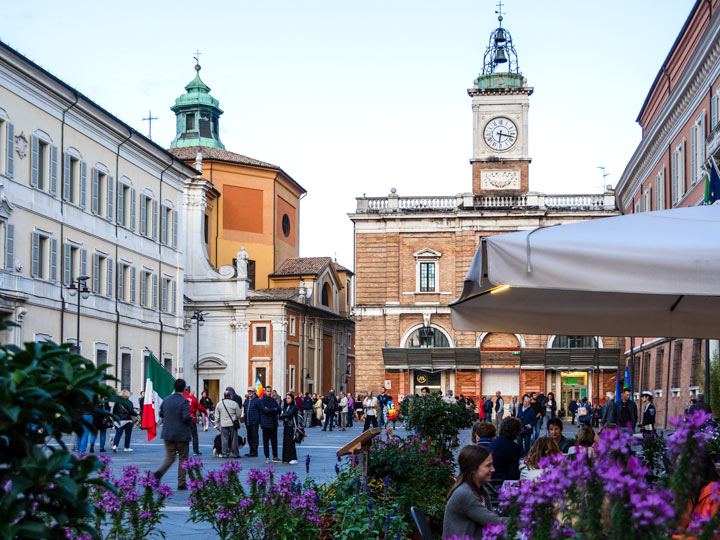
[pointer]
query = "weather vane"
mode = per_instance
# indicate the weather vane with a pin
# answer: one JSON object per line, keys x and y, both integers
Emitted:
{"x": 499, "y": 9}
{"x": 197, "y": 57}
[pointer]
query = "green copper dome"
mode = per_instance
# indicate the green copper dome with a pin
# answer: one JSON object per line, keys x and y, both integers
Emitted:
{"x": 197, "y": 114}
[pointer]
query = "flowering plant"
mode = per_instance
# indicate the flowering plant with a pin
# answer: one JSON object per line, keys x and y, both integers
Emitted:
{"x": 267, "y": 510}
{"x": 130, "y": 511}
{"x": 602, "y": 493}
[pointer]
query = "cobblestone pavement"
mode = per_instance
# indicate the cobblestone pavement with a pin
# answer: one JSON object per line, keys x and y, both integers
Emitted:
{"x": 321, "y": 446}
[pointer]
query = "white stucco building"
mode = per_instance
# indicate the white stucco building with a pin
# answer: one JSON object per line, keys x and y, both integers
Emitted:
{"x": 84, "y": 194}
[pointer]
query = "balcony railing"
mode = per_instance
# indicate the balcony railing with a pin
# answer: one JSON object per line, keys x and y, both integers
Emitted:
{"x": 394, "y": 203}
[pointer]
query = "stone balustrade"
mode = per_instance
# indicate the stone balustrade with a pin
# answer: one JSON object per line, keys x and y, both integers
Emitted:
{"x": 394, "y": 203}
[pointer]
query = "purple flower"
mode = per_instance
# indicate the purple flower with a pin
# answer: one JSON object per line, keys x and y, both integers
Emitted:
{"x": 164, "y": 490}
{"x": 146, "y": 515}
{"x": 192, "y": 463}
{"x": 8, "y": 486}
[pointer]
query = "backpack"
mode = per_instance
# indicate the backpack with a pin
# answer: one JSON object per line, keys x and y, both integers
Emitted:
{"x": 582, "y": 410}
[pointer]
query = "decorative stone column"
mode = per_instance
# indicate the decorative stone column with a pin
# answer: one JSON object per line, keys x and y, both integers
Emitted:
{"x": 240, "y": 357}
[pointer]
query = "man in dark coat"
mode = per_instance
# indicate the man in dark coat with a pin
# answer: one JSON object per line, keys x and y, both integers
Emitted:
{"x": 625, "y": 413}
{"x": 700, "y": 405}
{"x": 572, "y": 409}
{"x": 269, "y": 413}
{"x": 330, "y": 402}
{"x": 607, "y": 409}
{"x": 252, "y": 414}
{"x": 176, "y": 433}
{"x": 488, "y": 409}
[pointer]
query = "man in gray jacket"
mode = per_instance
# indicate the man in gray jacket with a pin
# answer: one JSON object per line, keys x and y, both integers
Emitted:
{"x": 175, "y": 412}
{"x": 227, "y": 412}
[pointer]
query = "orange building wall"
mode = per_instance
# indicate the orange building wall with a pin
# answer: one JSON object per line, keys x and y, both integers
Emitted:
{"x": 260, "y": 351}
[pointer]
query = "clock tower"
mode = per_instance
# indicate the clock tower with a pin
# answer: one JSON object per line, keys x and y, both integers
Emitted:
{"x": 500, "y": 101}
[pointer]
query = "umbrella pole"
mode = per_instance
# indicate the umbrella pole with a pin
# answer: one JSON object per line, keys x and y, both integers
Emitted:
{"x": 597, "y": 368}
{"x": 667, "y": 385}
{"x": 707, "y": 372}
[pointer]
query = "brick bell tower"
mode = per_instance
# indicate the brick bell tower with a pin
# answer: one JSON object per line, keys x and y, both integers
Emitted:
{"x": 500, "y": 102}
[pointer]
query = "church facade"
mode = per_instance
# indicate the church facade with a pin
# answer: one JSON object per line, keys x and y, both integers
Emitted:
{"x": 412, "y": 254}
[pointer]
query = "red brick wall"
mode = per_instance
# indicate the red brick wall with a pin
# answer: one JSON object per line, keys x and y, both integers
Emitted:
{"x": 469, "y": 383}
{"x": 532, "y": 381}
{"x": 479, "y": 166}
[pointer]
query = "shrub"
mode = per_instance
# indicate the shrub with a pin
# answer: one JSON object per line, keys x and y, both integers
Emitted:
{"x": 418, "y": 470}
{"x": 44, "y": 391}
{"x": 433, "y": 418}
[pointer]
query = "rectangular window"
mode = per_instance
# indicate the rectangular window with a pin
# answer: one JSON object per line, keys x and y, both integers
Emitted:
{"x": 72, "y": 179}
{"x": 291, "y": 382}
{"x": 167, "y": 363}
{"x": 697, "y": 149}
{"x": 695, "y": 361}
{"x": 311, "y": 330}
{"x": 72, "y": 263}
{"x": 291, "y": 325}
{"x": 427, "y": 277}
{"x": 206, "y": 229}
{"x": 44, "y": 256}
{"x": 102, "y": 275}
{"x": 165, "y": 224}
{"x": 125, "y": 282}
{"x": 165, "y": 294}
{"x": 714, "y": 110}
{"x": 43, "y": 165}
{"x": 659, "y": 354}
{"x": 126, "y": 370}
{"x": 9, "y": 247}
{"x": 190, "y": 122}
{"x": 146, "y": 289}
{"x": 100, "y": 191}
{"x": 678, "y": 172}
{"x": 645, "y": 372}
{"x": 676, "y": 364}
{"x": 126, "y": 206}
{"x": 260, "y": 336}
{"x": 7, "y": 136}
{"x": 660, "y": 190}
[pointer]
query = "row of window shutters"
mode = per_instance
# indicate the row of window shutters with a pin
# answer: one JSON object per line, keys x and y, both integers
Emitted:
{"x": 126, "y": 195}
{"x": 151, "y": 287}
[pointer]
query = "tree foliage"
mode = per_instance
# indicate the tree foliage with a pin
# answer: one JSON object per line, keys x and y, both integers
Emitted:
{"x": 435, "y": 419}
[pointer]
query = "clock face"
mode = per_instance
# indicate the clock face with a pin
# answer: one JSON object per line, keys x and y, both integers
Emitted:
{"x": 500, "y": 133}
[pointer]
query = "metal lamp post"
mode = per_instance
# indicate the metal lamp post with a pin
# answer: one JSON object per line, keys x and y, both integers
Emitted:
{"x": 79, "y": 287}
{"x": 199, "y": 319}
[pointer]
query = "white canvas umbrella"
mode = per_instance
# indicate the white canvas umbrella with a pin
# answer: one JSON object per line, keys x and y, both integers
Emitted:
{"x": 647, "y": 274}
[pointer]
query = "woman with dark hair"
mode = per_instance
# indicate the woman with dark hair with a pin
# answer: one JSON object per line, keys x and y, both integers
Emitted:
{"x": 585, "y": 438}
{"x": 506, "y": 452}
{"x": 550, "y": 406}
{"x": 289, "y": 418}
{"x": 206, "y": 402}
{"x": 468, "y": 508}
{"x": 483, "y": 433}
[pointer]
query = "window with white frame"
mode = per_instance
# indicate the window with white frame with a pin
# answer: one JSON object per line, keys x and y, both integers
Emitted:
{"x": 74, "y": 262}
{"x": 44, "y": 256}
{"x": 167, "y": 362}
{"x": 43, "y": 163}
{"x": 660, "y": 189}
{"x": 646, "y": 200}
{"x": 261, "y": 334}
{"x": 148, "y": 216}
{"x": 714, "y": 117}
{"x": 291, "y": 325}
{"x": 697, "y": 149}
{"x": 126, "y": 206}
{"x": 677, "y": 172}
{"x": 101, "y": 354}
{"x": 103, "y": 192}
{"x": 126, "y": 282}
{"x": 311, "y": 330}
{"x": 102, "y": 277}
{"x": 291, "y": 382}
{"x": 168, "y": 225}
{"x": 426, "y": 270}
{"x": 74, "y": 178}
{"x": 148, "y": 289}
{"x": 7, "y": 145}
{"x": 168, "y": 295}
{"x": 42, "y": 338}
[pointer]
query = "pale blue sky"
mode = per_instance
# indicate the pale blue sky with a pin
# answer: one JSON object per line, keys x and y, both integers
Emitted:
{"x": 358, "y": 97}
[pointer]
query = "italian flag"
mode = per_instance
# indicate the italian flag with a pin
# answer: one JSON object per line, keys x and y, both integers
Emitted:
{"x": 158, "y": 384}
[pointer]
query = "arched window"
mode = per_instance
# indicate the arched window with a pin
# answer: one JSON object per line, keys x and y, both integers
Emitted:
{"x": 326, "y": 295}
{"x": 574, "y": 342}
{"x": 427, "y": 337}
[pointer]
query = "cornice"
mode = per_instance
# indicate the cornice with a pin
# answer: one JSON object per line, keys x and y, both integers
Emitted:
{"x": 674, "y": 114}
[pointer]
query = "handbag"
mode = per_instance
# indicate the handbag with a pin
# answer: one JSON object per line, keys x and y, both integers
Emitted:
{"x": 299, "y": 433}
{"x": 236, "y": 423}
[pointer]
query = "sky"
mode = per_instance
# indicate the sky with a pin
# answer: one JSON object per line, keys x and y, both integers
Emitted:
{"x": 354, "y": 98}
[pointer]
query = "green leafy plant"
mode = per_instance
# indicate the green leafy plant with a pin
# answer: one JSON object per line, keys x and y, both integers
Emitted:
{"x": 420, "y": 473}
{"x": 44, "y": 392}
{"x": 435, "y": 419}
{"x": 364, "y": 507}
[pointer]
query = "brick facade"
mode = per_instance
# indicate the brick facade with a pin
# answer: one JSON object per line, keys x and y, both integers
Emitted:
{"x": 479, "y": 166}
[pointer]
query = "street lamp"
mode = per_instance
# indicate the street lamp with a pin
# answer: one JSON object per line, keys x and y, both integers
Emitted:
{"x": 199, "y": 319}
{"x": 79, "y": 285}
